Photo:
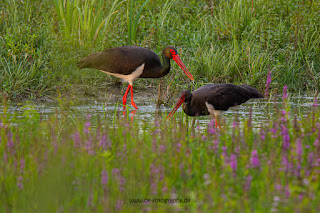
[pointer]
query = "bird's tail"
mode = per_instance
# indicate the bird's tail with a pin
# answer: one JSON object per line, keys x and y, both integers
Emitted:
{"x": 253, "y": 92}
{"x": 88, "y": 61}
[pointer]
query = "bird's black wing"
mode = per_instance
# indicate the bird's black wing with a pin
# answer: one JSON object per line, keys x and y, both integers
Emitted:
{"x": 223, "y": 96}
{"x": 121, "y": 60}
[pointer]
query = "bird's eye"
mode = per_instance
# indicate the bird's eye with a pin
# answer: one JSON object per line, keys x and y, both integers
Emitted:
{"x": 173, "y": 52}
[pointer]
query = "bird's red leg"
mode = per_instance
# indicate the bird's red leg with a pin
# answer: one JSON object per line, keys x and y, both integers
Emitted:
{"x": 124, "y": 99}
{"x": 133, "y": 114}
{"x": 132, "y": 102}
{"x": 216, "y": 121}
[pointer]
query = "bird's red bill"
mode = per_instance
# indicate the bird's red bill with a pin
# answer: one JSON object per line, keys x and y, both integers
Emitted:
{"x": 176, "y": 107}
{"x": 177, "y": 59}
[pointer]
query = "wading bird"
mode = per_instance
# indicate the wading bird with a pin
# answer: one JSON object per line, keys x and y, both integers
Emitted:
{"x": 132, "y": 62}
{"x": 213, "y": 99}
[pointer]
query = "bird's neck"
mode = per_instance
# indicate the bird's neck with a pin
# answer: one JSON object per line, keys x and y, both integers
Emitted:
{"x": 166, "y": 65}
{"x": 187, "y": 108}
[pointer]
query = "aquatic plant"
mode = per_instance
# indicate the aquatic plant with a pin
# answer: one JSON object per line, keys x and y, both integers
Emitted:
{"x": 89, "y": 163}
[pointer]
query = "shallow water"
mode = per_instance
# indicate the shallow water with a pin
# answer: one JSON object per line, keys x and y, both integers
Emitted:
{"x": 261, "y": 110}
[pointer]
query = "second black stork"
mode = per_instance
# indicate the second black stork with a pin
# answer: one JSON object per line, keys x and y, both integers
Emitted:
{"x": 213, "y": 99}
{"x": 132, "y": 62}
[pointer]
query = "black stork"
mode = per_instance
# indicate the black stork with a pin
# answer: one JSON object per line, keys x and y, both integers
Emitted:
{"x": 132, "y": 62}
{"x": 213, "y": 99}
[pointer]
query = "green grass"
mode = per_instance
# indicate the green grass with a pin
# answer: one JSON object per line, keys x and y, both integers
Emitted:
{"x": 94, "y": 163}
{"x": 219, "y": 41}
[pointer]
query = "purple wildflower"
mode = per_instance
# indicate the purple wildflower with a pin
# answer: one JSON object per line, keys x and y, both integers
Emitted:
{"x": 278, "y": 187}
{"x": 299, "y": 148}
{"x": 298, "y": 169}
{"x": 274, "y": 130}
{"x": 233, "y": 162}
{"x": 19, "y": 182}
{"x": 316, "y": 142}
{"x": 161, "y": 177}
{"x": 287, "y": 191}
{"x": 310, "y": 159}
{"x": 5, "y": 157}
{"x": 315, "y": 101}
{"x": 10, "y": 144}
{"x": 119, "y": 204}
{"x": 162, "y": 148}
{"x": 316, "y": 163}
{"x": 122, "y": 153}
{"x": 299, "y": 155}
{"x": 286, "y": 164}
{"x": 90, "y": 200}
{"x": 164, "y": 189}
{"x": 211, "y": 128}
{"x": 154, "y": 145}
{"x": 216, "y": 144}
{"x": 286, "y": 137}
{"x": 76, "y": 139}
{"x": 153, "y": 179}
{"x": 89, "y": 147}
{"x": 285, "y": 93}
{"x": 22, "y": 165}
{"x": 309, "y": 163}
{"x": 300, "y": 197}
{"x": 284, "y": 116}
{"x": 122, "y": 182}
{"x": 86, "y": 127}
{"x": 224, "y": 150}
{"x": 266, "y": 91}
{"x": 87, "y": 124}
{"x": 104, "y": 143}
{"x": 156, "y": 175}
{"x": 248, "y": 183}
{"x": 178, "y": 147}
{"x": 116, "y": 174}
{"x": 206, "y": 178}
{"x": 104, "y": 177}
{"x": 237, "y": 150}
{"x": 224, "y": 154}
{"x": 254, "y": 160}
{"x": 235, "y": 124}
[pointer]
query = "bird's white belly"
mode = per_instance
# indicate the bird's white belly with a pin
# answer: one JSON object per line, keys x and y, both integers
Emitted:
{"x": 212, "y": 111}
{"x": 129, "y": 78}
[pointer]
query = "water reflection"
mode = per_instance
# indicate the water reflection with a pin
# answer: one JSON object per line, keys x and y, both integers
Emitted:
{"x": 261, "y": 110}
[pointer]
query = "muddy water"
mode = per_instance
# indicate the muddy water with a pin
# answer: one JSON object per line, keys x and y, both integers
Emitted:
{"x": 261, "y": 110}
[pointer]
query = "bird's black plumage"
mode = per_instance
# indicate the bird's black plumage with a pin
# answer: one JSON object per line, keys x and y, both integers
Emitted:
{"x": 124, "y": 60}
{"x": 220, "y": 96}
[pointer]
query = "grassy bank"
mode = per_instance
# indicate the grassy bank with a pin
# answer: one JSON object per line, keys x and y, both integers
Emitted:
{"x": 93, "y": 163}
{"x": 234, "y": 41}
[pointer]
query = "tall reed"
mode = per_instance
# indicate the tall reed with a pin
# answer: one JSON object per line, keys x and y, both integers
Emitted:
{"x": 82, "y": 21}
{"x": 132, "y": 22}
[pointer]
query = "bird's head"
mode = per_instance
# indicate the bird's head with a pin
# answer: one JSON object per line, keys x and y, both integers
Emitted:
{"x": 184, "y": 96}
{"x": 172, "y": 53}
